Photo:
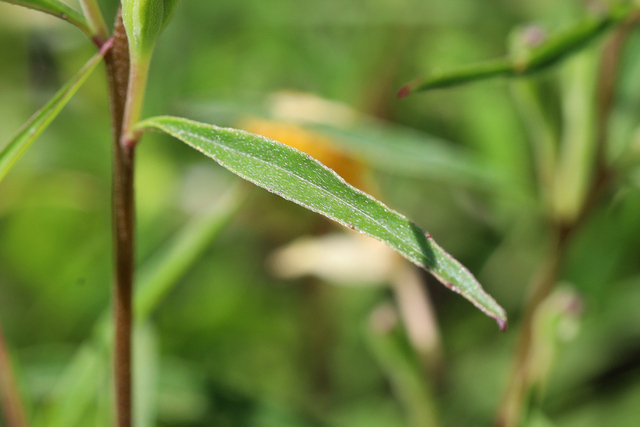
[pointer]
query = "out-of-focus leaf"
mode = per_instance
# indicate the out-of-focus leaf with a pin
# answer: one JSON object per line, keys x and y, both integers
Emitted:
{"x": 557, "y": 48}
{"x": 575, "y": 167}
{"x": 74, "y": 391}
{"x": 163, "y": 270}
{"x": 145, "y": 371}
{"x": 466, "y": 74}
{"x": 156, "y": 278}
{"x": 393, "y": 352}
{"x": 542, "y": 135}
{"x": 17, "y": 146}
{"x": 56, "y": 8}
{"x": 382, "y": 145}
{"x": 407, "y": 152}
{"x": 556, "y": 320}
{"x": 301, "y": 179}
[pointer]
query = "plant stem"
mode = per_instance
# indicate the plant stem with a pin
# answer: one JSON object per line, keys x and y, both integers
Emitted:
{"x": 511, "y": 408}
{"x": 117, "y": 62}
{"x": 510, "y": 412}
{"x": 95, "y": 19}
{"x": 608, "y": 77}
{"x": 12, "y": 405}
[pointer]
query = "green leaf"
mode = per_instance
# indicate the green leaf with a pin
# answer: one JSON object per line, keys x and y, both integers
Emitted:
{"x": 17, "y": 146}
{"x": 299, "y": 178}
{"x": 75, "y": 390}
{"x": 557, "y": 48}
{"x": 146, "y": 361}
{"x": 466, "y": 74}
{"x": 399, "y": 362}
{"x": 407, "y": 152}
{"x": 56, "y": 8}
{"x": 162, "y": 271}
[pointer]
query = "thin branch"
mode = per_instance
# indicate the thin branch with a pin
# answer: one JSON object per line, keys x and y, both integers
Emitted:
{"x": 511, "y": 408}
{"x": 10, "y": 398}
{"x": 95, "y": 19}
{"x": 608, "y": 77}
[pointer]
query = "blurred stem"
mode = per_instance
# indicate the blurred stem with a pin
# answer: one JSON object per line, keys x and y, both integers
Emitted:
{"x": 511, "y": 410}
{"x": 10, "y": 398}
{"x": 321, "y": 334}
{"x": 70, "y": 398}
{"x": 395, "y": 356}
{"x": 95, "y": 19}
{"x": 608, "y": 77}
{"x": 543, "y": 137}
{"x": 117, "y": 62}
{"x": 417, "y": 313}
{"x": 576, "y": 160}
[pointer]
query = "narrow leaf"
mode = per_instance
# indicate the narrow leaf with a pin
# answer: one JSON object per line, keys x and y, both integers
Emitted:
{"x": 557, "y": 48}
{"x": 56, "y": 8}
{"x": 159, "y": 274}
{"x": 301, "y": 179}
{"x": 466, "y": 74}
{"x": 407, "y": 152}
{"x": 146, "y": 360}
{"x": 399, "y": 362}
{"x": 17, "y": 146}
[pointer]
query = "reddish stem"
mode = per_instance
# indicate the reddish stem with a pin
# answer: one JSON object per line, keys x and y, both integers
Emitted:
{"x": 12, "y": 406}
{"x": 117, "y": 62}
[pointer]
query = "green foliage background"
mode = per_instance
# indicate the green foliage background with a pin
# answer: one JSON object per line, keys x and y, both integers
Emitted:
{"x": 233, "y": 346}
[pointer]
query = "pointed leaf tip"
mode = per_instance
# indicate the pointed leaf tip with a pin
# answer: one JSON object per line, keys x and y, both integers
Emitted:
{"x": 404, "y": 91}
{"x": 301, "y": 179}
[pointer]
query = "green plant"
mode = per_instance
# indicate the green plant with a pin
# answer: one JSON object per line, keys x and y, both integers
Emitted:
{"x": 269, "y": 164}
{"x": 576, "y": 169}
{"x": 578, "y": 118}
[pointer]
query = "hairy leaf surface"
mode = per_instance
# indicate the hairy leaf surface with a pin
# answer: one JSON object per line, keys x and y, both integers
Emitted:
{"x": 55, "y": 8}
{"x": 301, "y": 179}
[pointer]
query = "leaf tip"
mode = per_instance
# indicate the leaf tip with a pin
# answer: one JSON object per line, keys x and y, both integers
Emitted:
{"x": 404, "y": 91}
{"x": 502, "y": 324}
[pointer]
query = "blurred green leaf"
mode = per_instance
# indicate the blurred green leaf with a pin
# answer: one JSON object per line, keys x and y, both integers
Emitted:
{"x": 75, "y": 390}
{"x": 393, "y": 352}
{"x": 556, "y": 48}
{"x": 466, "y": 74}
{"x": 73, "y": 393}
{"x": 301, "y": 179}
{"x": 56, "y": 8}
{"x": 542, "y": 136}
{"x": 381, "y": 144}
{"x": 407, "y": 152}
{"x": 145, "y": 370}
{"x": 17, "y": 146}
{"x": 163, "y": 270}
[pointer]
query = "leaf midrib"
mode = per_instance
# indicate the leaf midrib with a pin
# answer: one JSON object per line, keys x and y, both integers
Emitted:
{"x": 313, "y": 184}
